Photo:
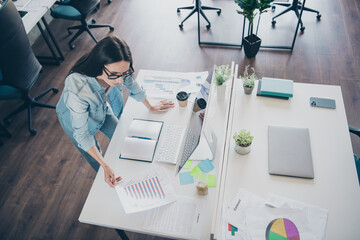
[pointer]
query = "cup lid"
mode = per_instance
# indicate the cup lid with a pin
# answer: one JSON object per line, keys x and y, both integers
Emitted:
{"x": 182, "y": 96}
{"x": 202, "y": 103}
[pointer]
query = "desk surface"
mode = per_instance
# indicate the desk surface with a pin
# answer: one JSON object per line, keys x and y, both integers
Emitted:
{"x": 335, "y": 186}
{"x": 34, "y": 14}
{"x": 103, "y": 206}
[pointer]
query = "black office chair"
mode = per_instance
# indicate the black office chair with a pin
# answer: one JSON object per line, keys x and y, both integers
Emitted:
{"x": 294, "y": 6}
{"x": 197, "y": 7}
{"x": 78, "y": 10}
{"x": 18, "y": 64}
{"x": 356, "y": 131}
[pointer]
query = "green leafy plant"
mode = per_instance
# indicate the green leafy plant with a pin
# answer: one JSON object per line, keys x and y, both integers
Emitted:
{"x": 249, "y": 79}
{"x": 222, "y": 74}
{"x": 249, "y": 8}
{"x": 243, "y": 139}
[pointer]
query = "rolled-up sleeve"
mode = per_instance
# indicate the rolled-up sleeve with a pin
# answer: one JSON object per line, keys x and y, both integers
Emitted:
{"x": 79, "y": 117}
{"x": 136, "y": 92}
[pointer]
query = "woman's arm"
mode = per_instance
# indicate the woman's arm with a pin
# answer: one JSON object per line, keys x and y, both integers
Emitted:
{"x": 108, "y": 172}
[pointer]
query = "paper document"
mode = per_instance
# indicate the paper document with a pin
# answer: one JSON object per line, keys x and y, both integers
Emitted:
{"x": 234, "y": 213}
{"x": 260, "y": 222}
{"x": 182, "y": 218}
{"x": 316, "y": 217}
{"x": 148, "y": 190}
{"x": 253, "y": 218}
{"x": 159, "y": 84}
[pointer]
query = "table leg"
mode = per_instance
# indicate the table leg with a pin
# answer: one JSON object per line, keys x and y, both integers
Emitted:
{"x": 122, "y": 234}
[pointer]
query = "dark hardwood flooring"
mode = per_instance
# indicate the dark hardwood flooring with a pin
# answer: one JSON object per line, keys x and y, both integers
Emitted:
{"x": 44, "y": 181}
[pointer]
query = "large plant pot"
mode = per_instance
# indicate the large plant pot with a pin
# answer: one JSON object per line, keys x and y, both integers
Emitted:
{"x": 251, "y": 45}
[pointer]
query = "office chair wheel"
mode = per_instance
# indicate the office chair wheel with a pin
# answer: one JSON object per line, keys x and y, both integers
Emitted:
{"x": 178, "y": 10}
{"x": 70, "y": 32}
{"x": 109, "y": 1}
{"x": 218, "y": 12}
{"x": 208, "y": 27}
{"x": 55, "y": 90}
{"x": 111, "y": 29}
{"x": 93, "y": 21}
{"x": 181, "y": 27}
{"x": 273, "y": 8}
{"x": 273, "y": 22}
{"x": 71, "y": 46}
{"x": 302, "y": 28}
{"x": 33, "y": 132}
{"x": 318, "y": 16}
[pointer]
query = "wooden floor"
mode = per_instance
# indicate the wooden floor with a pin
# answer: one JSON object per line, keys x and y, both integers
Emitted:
{"x": 44, "y": 181}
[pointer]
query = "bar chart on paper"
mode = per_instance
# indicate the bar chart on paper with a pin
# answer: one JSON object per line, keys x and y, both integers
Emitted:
{"x": 148, "y": 190}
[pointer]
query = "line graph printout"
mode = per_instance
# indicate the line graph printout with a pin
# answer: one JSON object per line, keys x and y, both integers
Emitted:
{"x": 160, "y": 84}
{"x": 149, "y": 190}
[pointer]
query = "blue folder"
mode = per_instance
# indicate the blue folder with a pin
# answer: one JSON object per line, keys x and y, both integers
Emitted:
{"x": 276, "y": 87}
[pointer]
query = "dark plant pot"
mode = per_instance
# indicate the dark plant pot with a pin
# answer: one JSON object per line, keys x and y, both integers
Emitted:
{"x": 248, "y": 90}
{"x": 251, "y": 45}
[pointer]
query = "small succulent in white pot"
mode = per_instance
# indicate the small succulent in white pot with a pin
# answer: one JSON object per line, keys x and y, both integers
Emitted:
{"x": 243, "y": 141}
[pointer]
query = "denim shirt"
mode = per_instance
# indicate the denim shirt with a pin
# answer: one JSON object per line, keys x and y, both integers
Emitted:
{"x": 82, "y": 107}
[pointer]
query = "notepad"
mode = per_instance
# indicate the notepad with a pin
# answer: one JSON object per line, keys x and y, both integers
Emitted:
{"x": 276, "y": 87}
{"x": 142, "y": 137}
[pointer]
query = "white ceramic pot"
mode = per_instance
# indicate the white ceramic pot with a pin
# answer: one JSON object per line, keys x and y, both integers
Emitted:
{"x": 242, "y": 150}
{"x": 220, "y": 92}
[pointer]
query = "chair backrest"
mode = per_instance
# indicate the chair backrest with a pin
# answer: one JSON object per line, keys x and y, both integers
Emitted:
{"x": 19, "y": 66}
{"x": 85, "y": 7}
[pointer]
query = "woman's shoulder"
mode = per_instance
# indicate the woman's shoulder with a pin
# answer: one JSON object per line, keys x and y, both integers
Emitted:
{"x": 75, "y": 82}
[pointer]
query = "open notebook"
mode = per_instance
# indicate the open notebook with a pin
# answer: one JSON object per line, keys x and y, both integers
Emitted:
{"x": 141, "y": 140}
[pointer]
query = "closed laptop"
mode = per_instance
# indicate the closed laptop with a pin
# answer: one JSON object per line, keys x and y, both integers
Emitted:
{"x": 290, "y": 152}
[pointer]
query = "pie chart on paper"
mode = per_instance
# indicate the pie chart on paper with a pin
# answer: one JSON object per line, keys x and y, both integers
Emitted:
{"x": 282, "y": 229}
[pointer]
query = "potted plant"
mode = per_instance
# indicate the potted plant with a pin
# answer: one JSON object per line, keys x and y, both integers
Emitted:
{"x": 222, "y": 74}
{"x": 249, "y": 80}
{"x": 243, "y": 142}
{"x": 249, "y": 9}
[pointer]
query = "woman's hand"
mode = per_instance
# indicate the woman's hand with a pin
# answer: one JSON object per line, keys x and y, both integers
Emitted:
{"x": 110, "y": 176}
{"x": 162, "y": 106}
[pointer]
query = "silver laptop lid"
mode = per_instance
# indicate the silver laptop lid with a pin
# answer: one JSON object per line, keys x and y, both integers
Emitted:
{"x": 290, "y": 152}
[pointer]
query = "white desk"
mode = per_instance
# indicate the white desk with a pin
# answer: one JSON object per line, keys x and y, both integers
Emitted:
{"x": 103, "y": 206}
{"x": 335, "y": 186}
{"x": 32, "y": 18}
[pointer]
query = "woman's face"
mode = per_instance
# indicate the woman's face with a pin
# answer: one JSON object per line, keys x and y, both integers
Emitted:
{"x": 114, "y": 73}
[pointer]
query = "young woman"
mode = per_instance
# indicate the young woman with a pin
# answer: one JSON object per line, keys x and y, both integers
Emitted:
{"x": 83, "y": 108}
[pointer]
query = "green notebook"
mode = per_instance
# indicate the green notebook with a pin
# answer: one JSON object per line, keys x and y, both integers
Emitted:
{"x": 276, "y": 87}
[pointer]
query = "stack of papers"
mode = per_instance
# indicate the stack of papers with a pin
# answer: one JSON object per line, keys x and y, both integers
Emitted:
{"x": 249, "y": 216}
{"x": 274, "y": 87}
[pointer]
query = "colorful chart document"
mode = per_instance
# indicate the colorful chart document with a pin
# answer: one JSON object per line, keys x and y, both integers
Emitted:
{"x": 148, "y": 190}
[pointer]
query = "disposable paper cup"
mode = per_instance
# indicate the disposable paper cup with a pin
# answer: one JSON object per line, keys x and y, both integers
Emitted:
{"x": 182, "y": 98}
{"x": 199, "y": 105}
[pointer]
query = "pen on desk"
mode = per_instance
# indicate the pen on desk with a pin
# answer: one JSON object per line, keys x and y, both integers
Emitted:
{"x": 141, "y": 137}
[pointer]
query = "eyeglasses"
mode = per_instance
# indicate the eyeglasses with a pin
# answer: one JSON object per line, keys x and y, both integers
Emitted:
{"x": 113, "y": 76}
